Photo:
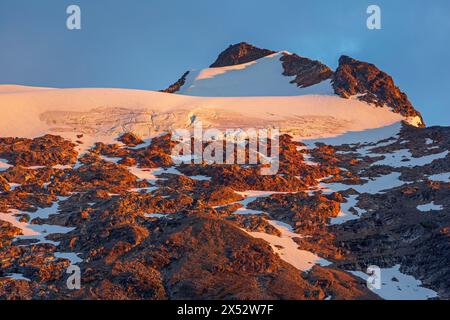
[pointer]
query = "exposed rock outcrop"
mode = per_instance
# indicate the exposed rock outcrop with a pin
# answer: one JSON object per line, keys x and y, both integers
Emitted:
{"x": 240, "y": 53}
{"x": 4, "y": 185}
{"x": 307, "y": 72}
{"x": 48, "y": 150}
{"x": 177, "y": 85}
{"x": 370, "y": 84}
{"x": 130, "y": 139}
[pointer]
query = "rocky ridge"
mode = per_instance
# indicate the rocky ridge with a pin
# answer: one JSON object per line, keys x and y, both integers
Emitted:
{"x": 140, "y": 227}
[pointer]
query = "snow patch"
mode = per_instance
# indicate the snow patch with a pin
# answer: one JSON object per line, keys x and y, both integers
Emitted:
{"x": 62, "y": 167}
{"x": 4, "y": 164}
{"x": 345, "y": 214}
{"x": 14, "y": 186}
{"x": 43, "y": 231}
{"x": 403, "y": 158}
{"x": 156, "y": 215}
{"x": 288, "y": 249}
{"x": 111, "y": 159}
{"x": 71, "y": 256}
{"x": 430, "y": 207}
{"x": 284, "y": 245}
{"x": 373, "y": 186}
{"x": 200, "y": 178}
{"x": 24, "y": 227}
{"x": 250, "y": 196}
{"x": 17, "y": 276}
{"x": 440, "y": 177}
{"x": 151, "y": 174}
{"x": 34, "y": 231}
{"x": 398, "y": 286}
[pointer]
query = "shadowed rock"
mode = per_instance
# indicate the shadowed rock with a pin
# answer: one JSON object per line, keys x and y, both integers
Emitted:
{"x": 307, "y": 72}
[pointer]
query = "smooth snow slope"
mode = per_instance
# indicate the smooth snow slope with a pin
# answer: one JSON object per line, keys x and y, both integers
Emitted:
{"x": 20, "y": 89}
{"x": 262, "y": 77}
{"x": 109, "y": 112}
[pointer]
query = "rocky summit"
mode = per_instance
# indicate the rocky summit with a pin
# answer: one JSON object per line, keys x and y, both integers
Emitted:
{"x": 372, "y": 85}
{"x": 92, "y": 189}
{"x": 240, "y": 53}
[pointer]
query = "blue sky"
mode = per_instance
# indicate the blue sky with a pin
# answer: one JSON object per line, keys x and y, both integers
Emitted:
{"x": 148, "y": 44}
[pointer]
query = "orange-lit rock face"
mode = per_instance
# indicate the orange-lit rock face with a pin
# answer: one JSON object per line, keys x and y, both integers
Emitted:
{"x": 196, "y": 231}
{"x": 370, "y": 84}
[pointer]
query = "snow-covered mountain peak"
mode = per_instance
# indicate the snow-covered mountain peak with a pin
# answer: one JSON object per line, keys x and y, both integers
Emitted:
{"x": 262, "y": 77}
{"x": 243, "y": 70}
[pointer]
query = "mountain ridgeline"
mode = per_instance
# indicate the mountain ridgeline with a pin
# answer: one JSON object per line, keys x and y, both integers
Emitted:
{"x": 352, "y": 78}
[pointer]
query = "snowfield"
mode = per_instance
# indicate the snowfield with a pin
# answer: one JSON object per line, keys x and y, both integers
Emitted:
{"x": 106, "y": 113}
{"x": 263, "y": 77}
{"x": 250, "y": 95}
{"x": 369, "y": 136}
{"x": 20, "y": 89}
